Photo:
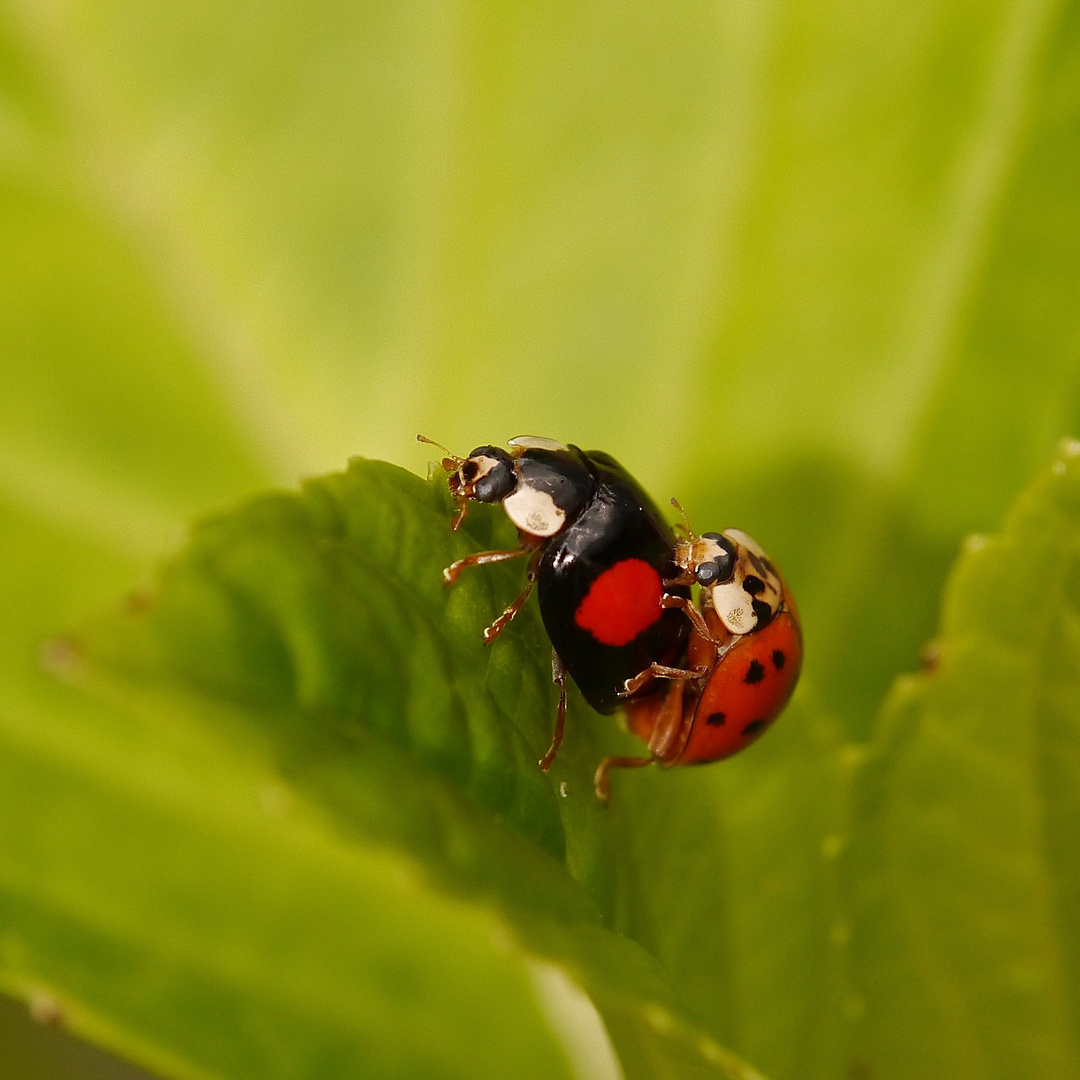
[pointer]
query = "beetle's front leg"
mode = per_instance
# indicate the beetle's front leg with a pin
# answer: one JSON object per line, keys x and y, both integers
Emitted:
{"x": 497, "y": 627}
{"x": 659, "y": 671}
{"x": 693, "y": 613}
{"x": 480, "y": 558}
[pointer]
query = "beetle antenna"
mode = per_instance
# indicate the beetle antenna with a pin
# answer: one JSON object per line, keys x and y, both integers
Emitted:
{"x": 449, "y": 457}
{"x": 432, "y": 442}
{"x": 685, "y": 525}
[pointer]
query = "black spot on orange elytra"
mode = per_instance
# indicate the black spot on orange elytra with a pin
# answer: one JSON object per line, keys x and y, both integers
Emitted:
{"x": 753, "y": 585}
{"x": 778, "y": 658}
{"x": 715, "y": 719}
{"x": 755, "y": 672}
{"x": 753, "y": 727}
{"x": 760, "y": 565}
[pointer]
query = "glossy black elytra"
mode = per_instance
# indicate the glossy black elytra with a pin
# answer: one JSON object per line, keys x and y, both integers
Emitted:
{"x": 599, "y": 552}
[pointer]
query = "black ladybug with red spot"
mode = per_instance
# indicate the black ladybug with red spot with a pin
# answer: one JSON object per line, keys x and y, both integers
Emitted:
{"x": 600, "y": 554}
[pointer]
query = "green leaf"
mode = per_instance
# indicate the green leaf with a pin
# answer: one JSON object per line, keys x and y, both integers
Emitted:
{"x": 853, "y": 225}
{"x": 310, "y": 634}
{"x": 164, "y": 895}
{"x": 962, "y": 876}
{"x": 897, "y": 315}
{"x": 309, "y": 638}
{"x": 809, "y": 267}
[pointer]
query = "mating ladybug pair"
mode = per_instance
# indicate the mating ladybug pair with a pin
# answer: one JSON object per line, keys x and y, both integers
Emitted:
{"x": 700, "y": 681}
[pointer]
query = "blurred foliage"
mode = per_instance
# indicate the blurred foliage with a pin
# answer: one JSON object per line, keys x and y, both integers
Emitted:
{"x": 811, "y": 267}
{"x": 33, "y": 1050}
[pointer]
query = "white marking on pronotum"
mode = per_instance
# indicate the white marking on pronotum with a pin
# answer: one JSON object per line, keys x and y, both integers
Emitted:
{"x": 735, "y": 607}
{"x": 484, "y": 465}
{"x": 746, "y": 540}
{"x": 534, "y": 511}
{"x": 534, "y": 442}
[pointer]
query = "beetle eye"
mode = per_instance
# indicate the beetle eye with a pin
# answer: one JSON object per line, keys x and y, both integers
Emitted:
{"x": 717, "y": 571}
{"x": 725, "y": 564}
{"x": 708, "y": 573}
{"x": 721, "y": 567}
{"x": 469, "y": 471}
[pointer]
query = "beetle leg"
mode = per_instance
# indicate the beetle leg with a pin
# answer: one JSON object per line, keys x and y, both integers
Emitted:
{"x": 669, "y": 723}
{"x": 558, "y": 676}
{"x": 601, "y": 781}
{"x": 659, "y": 671}
{"x": 479, "y": 558}
{"x": 497, "y": 627}
{"x": 666, "y": 744}
{"x": 693, "y": 613}
{"x": 684, "y": 577}
{"x": 673, "y": 727}
{"x": 461, "y": 508}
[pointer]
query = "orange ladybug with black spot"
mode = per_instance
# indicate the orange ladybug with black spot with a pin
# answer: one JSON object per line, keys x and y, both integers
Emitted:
{"x": 742, "y": 662}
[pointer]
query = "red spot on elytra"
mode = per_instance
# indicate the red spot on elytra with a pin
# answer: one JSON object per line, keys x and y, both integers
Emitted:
{"x": 621, "y": 603}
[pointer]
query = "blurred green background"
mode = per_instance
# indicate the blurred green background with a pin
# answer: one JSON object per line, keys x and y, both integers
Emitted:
{"x": 810, "y": 266}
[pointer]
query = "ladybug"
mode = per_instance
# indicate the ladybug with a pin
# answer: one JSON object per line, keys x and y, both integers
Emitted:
{"x": 743, "y": 660}
{"x": 601, "y": 556}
